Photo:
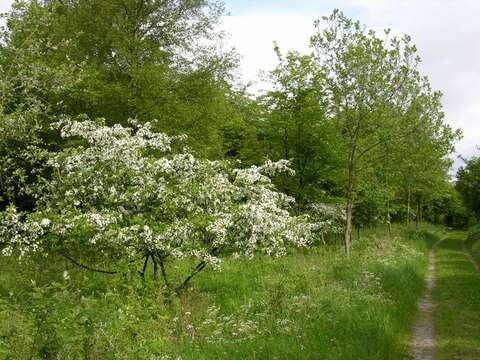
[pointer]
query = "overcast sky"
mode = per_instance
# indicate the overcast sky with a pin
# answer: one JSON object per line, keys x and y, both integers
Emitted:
{"x": 447, "y": 34}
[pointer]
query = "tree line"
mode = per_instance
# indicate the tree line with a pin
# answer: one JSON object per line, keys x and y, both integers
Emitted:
{"x": 361, "y": 127}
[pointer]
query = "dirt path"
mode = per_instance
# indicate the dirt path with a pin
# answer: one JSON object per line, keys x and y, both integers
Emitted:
{"x": 423, "y": 346}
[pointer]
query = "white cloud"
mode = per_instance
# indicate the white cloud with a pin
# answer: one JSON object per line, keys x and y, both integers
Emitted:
{"x": 5, "y": 5}
{"x": 253, "y": 36}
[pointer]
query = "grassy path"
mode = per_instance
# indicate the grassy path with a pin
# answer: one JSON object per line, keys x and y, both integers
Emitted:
{"x": 456, "y": 314}
{"x": 423, "y": 346}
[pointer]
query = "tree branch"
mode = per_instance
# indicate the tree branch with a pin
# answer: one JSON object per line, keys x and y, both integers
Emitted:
{"x": 164, "y": 272}
{"x": 142, "y": 273}
{"x": 86, "y": 267}
{"x": 200, "y": 266}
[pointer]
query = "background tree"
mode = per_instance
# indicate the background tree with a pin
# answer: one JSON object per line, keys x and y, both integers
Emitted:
{"x": 141, "y": 59}
{"x": 28, "y": 83}
{"x": 363, "y": 80}
{"x": 371, "y": 84}
{"x": 295, "y": 126}
{"x": 468, "y": 185}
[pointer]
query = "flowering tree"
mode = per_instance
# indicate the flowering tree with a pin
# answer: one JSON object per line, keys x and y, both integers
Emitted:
{"x": 328, "y": 218}
{"x": 121, "y": 194}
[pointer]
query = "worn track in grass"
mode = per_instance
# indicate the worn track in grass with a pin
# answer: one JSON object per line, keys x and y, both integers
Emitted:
{"x": 423, "y": 344}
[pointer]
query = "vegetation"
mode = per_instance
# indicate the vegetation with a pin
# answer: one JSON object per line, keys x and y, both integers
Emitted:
{"x": 473, "y": 242}
{"x": 130, "y": 152}
{"x": 468, "y": 185}
{"x": 311, "y": 302}
{"x": 458, "y": 304}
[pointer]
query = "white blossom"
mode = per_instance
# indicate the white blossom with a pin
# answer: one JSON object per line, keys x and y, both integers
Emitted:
{"x": 66, "y": 276}
{"x": 45, "y": 222}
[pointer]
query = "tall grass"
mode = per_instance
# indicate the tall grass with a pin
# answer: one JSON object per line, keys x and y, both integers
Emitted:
{"x": 312, "y": 304}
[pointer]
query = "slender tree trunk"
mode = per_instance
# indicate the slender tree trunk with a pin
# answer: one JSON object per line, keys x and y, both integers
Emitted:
{"x": 201, "y": 265}
{"x": 408, "y": 206}
{"x": 417, "y": 218}
{"x": 348, "y": 219}
{"x": 285, "y": 142}
{"x": 349, "y": 206}
{"x": 421, "y": 213}
{"x": 164, "y": 272}
{"x": 142, "y": 273}
{"x": 184, "y": 284}
{"x": 389, "y": 224}
{"x": 155, "y": 269}
{"x": 352, "y": 148}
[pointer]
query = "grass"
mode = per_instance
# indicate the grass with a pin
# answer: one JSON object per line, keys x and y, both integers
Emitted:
{"x": 457, "y": 298}
{"x": 475, "y": 251}
{"x": 312, "y": 304}
{"x": 473, "y": 242}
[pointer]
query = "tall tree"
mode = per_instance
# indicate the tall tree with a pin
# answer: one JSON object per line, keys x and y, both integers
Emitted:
{"x": 371, "y": 83}
{"x": 28, "y": 85}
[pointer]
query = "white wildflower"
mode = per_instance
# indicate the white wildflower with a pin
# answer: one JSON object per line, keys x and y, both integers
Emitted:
{"x": 66, "y": 275}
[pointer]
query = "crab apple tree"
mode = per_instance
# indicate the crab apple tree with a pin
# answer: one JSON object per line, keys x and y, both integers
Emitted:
{"x": 120, "y": 198}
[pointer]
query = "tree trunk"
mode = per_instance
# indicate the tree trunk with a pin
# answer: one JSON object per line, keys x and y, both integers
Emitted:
{"x": 155, "y": 269}
{"x": 351, "y": 169}
{"x": 142, "y": 273}
{"x": 421, "y": 214}
{"x": 389, "y": 224}
{"x": 417, "y": 218}
{"x": 348, "y": 219}
{"x": 408, "y": 206}
{"x": 164, "y": 272}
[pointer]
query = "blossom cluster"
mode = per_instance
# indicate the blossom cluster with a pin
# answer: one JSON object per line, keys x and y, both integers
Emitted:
{"x": 20, "y": 234}
{"x": 329, "y": 218}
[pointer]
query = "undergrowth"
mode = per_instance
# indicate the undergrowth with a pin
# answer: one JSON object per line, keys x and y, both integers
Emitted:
{"x": 312, "y": 304}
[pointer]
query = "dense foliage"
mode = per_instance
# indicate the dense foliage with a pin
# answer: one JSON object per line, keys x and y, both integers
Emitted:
{"x": 468, "y": 185}
{"x": 309, "y": 303}
{"x": 360, "y": 125}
